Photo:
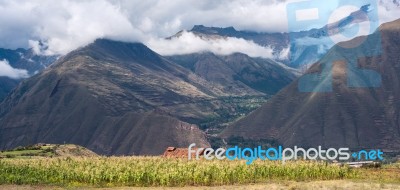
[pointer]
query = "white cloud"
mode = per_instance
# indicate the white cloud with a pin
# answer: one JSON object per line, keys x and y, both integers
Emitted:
{"x": 35, "y": 46}
{"x": 189, "y": 43}
{"x": 284, "y": 54}
{"x": 64, "y": 25}
{"x": 6, "y": 70}
{"x": 69, "y": 24}
{"x": 168, "y": 17}
{"x": 389, "y": 10}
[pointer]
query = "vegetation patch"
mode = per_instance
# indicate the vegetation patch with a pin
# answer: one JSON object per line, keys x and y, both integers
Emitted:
{"x": 157, "y": 171}
{"x": 46, "y": 150}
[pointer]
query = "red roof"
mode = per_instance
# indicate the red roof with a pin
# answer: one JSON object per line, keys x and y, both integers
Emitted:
{"x": 173, "y": 152}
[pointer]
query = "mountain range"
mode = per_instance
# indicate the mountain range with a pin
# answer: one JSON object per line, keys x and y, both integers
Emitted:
{"x": 288, "y": 47}
{"x": 116, "y": 98}
{"x": 119, "y": 98}
{"x": 283, "y": 44}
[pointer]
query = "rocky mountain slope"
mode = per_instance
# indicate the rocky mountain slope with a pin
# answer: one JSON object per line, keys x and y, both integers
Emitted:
{"x": 346, "y": 117}
{"x": 107, "y": 96}
{"x": 116, "y": 98}
{"x": 238, "y": 73}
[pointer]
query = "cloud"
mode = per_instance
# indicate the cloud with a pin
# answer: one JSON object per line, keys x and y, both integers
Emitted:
{"x": 69, "y": 24}
{"x": 6, "y": 70}
{"x": 35, "y": 46}
{"x": 188, "y": 43}
{"x": 389, "y": 10}
{"x": 62, "y": 26}
{"x": 170, "y": 16}
{"x": 284, "y": 54}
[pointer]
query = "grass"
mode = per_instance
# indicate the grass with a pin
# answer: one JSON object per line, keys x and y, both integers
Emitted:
{"x": 29, "y": 151}
{"x": 21, "y": 152}
{"x": 393, "y": 165}
{"x": 46, "y": 150}
{"x": 156, "y": 171}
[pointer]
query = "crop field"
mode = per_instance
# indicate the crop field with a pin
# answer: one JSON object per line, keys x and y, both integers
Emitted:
{"x": 162, "y": 172}
{"x": 153, "y": 171}
{"x": 156, "y": 171}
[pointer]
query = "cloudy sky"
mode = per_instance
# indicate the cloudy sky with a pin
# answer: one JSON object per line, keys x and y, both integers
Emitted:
{"x": 65, "y": 25}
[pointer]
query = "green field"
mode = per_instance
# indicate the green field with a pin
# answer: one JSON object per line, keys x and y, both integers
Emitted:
{"x": 74, "y": 166}
{"x": 157, "y": 171}
{"x": 46, "y": 151}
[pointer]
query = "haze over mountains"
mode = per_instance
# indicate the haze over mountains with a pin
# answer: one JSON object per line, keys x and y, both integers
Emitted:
{"x": 347, "y": 117}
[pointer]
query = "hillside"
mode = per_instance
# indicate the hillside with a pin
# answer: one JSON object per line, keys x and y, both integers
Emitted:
{"x": 238, "y": 73}
{"x": 346, "y": 117}
{"x": 97, "y": 95}
{"x": 47, "y": 150}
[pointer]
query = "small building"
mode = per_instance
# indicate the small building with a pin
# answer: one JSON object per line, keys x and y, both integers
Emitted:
{"x": 173, "y": 152}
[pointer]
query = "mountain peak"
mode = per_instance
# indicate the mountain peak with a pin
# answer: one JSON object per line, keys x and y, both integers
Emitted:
{"x": 198, "y": 27}
{"x": 106, "y": 49}
{"x": 106, "y": 43}
{"x": 214, "y": 30}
